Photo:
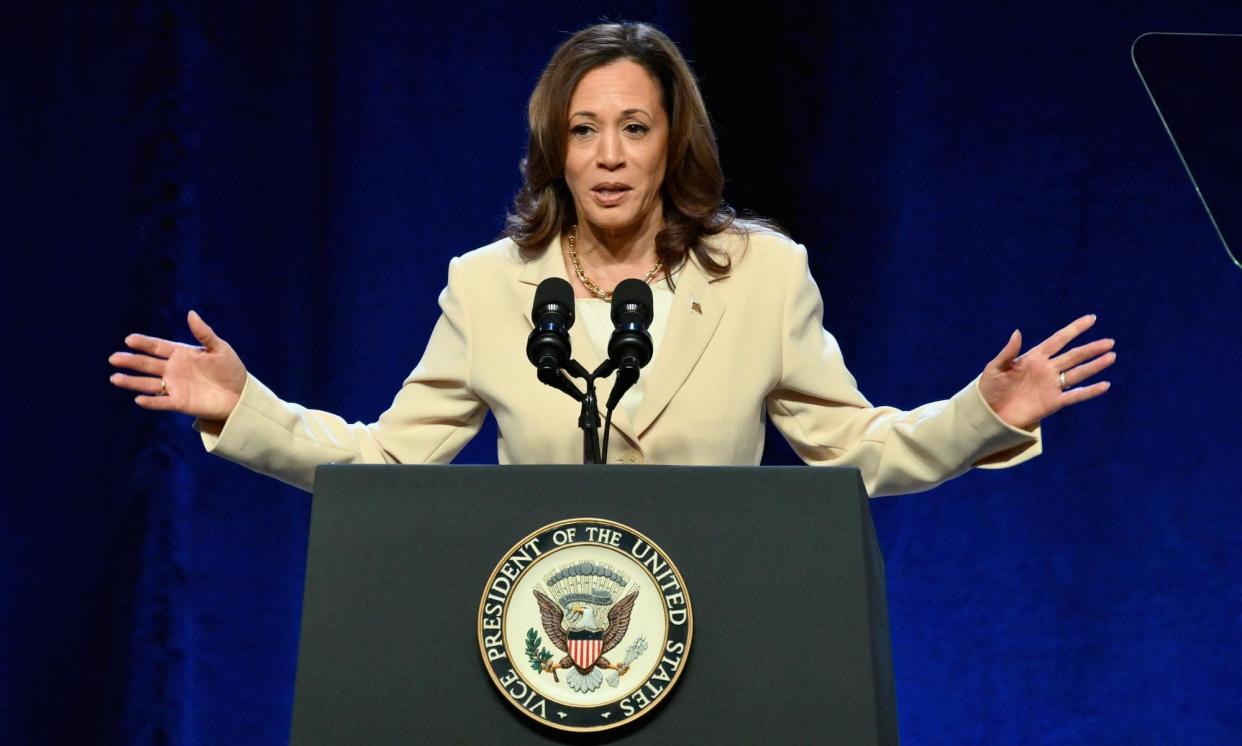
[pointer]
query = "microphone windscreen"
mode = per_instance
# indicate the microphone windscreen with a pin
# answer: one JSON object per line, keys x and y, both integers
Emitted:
{"x": 554, "y": 291}
{"x": 632, "y": 294}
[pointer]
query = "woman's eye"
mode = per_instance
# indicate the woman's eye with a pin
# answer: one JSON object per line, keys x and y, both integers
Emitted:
{"x": 634, "y": 128}
{"x": 582, "y": 130}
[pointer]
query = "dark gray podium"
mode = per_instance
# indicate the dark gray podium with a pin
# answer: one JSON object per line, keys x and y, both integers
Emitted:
{"x": 790, "y": 625}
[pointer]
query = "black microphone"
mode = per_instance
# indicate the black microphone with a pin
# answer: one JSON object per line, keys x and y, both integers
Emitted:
{"x": 630, "y": 346}
{"x": 548, "y": 347}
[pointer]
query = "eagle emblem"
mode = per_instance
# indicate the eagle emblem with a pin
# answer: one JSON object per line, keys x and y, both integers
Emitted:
{"x": 585, "y": 625}
{"x": 588, "y": 618}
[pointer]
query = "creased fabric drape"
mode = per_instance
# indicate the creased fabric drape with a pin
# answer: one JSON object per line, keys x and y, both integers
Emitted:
{"x": 301, "y": 174}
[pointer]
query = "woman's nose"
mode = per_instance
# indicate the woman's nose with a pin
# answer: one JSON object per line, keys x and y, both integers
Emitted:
{"x": 611, "y": 153}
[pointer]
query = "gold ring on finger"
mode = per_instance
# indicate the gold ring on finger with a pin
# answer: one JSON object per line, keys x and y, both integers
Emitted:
{"x": 1061, "y": 380}
{"x": 164, "y": 386}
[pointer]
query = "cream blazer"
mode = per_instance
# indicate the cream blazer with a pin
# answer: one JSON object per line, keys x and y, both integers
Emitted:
{"x": 737, "y": 348}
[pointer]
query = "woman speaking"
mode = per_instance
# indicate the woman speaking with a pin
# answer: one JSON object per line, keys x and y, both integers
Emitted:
{"x": 623, "y": 181}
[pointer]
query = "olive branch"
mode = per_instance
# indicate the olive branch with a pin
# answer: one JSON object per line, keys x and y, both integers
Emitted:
{"x": 538, "y": 657}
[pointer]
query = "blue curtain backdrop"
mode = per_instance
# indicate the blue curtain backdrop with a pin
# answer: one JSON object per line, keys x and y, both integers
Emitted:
{"x": 301, "y": 173}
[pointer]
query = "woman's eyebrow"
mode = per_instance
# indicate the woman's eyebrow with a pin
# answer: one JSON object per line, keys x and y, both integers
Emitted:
{"x": 625, "y": 113}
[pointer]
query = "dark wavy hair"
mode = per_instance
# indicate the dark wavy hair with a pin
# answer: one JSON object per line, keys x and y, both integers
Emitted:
{"x": 693, "y": 189}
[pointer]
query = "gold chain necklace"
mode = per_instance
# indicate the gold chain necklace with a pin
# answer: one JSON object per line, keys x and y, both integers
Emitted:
{"x": 596, "y": 290}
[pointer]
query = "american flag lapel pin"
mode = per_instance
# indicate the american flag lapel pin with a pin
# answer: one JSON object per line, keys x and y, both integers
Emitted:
{"x": 694, "y": 305}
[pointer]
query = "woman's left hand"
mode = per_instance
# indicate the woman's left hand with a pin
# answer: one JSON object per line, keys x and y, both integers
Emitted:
{"x": 1024, "y": 389}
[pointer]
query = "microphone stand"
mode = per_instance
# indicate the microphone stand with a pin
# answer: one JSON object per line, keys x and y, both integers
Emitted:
{"x": 588, "y": 419}
{"x": 588, "y": 415}
{"x": 548, "y": 345}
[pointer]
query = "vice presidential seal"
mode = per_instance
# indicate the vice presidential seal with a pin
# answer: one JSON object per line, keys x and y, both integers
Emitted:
{"x": 585, "y": 625}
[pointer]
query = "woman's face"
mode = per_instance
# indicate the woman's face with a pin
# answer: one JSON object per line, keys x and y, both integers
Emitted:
{"x": 618, "y": 148}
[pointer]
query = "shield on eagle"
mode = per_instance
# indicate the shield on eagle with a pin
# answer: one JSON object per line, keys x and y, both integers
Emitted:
{"x": 585, "y": 648}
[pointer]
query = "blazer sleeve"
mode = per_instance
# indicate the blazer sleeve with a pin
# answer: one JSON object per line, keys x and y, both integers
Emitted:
{"x": 819, "y": 410}
{"x": 432, "y": 417}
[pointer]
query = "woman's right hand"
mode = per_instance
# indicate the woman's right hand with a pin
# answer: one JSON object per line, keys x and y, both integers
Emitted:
{"x": 205, "y": 382}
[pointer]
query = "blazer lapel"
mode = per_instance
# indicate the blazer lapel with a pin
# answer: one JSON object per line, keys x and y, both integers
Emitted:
{"x": 695, "y": 314}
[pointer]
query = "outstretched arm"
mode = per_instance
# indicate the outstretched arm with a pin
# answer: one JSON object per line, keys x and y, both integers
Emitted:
{"x": 433, "y": 415}
{"x": 993, "y": 421}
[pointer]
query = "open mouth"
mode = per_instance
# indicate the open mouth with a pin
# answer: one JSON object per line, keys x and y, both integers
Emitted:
{"x": 610, "y": 194}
